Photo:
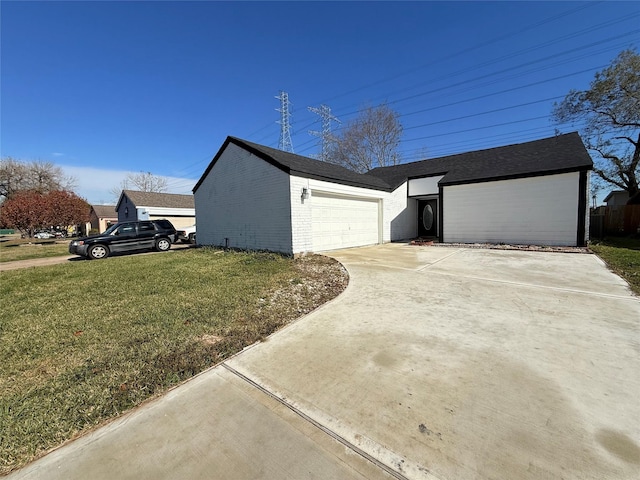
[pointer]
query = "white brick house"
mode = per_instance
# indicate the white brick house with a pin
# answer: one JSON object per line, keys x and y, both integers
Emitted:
{"x": 259, "y": 198}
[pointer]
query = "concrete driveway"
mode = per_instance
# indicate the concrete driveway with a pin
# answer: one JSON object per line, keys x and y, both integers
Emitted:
{"x": 436, "y": 363}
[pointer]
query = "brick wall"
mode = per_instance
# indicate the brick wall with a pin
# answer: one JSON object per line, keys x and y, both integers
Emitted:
{"x": 244, "y": 202}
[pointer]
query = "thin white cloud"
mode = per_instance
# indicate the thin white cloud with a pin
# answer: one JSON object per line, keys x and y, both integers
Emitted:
{"x": 57, "y": 154}
{"x": 95, "y": 184}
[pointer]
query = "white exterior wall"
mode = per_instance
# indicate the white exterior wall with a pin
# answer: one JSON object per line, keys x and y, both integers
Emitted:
{"x": 301, "y": 209}
{"x": 301, "y": 235}
{"x": 178, "y": 222}
{"x": 161, "y": 212}
{"x": 400, "y": 215}
{"x": 424, "y": 186}
{"x": 179, "y": 217}
{"x": 245, "y": 200}
{"x": 539, "y": 210}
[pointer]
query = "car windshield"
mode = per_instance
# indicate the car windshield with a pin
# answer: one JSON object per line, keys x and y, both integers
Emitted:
{"x": 110, "y": 230}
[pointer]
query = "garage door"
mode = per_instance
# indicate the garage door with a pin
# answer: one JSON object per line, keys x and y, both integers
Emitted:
{"x": 342, "y": 222}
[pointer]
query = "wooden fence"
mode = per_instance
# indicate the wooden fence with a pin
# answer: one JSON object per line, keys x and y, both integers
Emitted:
{"x": 618, "y": 220}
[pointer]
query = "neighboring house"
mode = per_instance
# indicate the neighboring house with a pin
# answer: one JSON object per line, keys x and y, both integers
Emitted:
{"x": 134, "y": 205}
{"x": 617, "y": 197}
{"x": 256, "y": 197}
{"x": 102, "y": 217}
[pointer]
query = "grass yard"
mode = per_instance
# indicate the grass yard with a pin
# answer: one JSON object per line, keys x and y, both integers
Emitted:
{"x": 20, "y": 249}
{"x": 622, "y": 255}
{"x": 82, "y": 342}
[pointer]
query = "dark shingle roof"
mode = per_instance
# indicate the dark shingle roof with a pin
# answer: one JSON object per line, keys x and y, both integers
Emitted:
{"x": 558, "y": 154}
{"x": 164, "y": 200}
{"x": 103, "y": 211}
{"x": 301, "y": 166}
{"x": 562, "y": 153}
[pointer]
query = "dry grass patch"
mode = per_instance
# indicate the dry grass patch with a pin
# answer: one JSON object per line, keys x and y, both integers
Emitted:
{"x": 82, "y": 342}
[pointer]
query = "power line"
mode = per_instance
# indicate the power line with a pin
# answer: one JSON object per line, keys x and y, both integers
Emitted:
{"x": 500, "y": 76}
{"x": 500, "y": 92}
{"x": 489, "y": 42}
{"x": 474, "y": 82}
{"x": 519, "y": 53}
{"x": 441, "y": 89}
{"x": 495, "y": 73}
{"x": 470, "y": 49}
{"x": 464, "y": 117}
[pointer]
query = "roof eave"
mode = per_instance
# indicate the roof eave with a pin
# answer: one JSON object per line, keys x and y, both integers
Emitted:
{"x": 323, "y": 178}
{"x": 515, "y": 176}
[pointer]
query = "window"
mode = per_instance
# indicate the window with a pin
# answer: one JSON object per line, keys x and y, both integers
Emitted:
{"x": 427, "y": 217}
{"x": 146, "y": 227}
{"x": 126, "y": 229}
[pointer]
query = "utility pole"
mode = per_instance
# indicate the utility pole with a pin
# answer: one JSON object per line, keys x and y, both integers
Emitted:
{"x": 285, "y": 129}
{"x": 325, "y": 135}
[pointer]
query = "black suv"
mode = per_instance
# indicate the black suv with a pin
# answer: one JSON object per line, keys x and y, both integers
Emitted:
{"x": 123, "y": 237}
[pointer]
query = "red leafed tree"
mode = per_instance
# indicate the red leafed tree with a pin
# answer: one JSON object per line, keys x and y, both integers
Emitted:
{"x": 66, "y": 208}
{"x": 25, "y": 211}
{"x": 28, "y": 211}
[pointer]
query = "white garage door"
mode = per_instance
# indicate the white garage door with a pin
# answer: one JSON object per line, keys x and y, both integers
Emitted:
{"x": 342, "y": 222}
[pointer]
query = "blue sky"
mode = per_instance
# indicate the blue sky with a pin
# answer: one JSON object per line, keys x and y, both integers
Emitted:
{"x": 106, "y": 88}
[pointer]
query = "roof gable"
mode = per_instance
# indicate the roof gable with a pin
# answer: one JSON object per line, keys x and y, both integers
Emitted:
{"x": 558, "y": 154}
{"x": 103, "y": 211}
{"x": 154, "y": 199}
{"x": 615, "y": 193}
{"x": 298, "y": 165}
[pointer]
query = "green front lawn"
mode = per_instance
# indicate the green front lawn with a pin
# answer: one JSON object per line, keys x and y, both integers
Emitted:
{"x": 22, "y": 249}
{"x": 622, "y": 255}
{"x": 82, "y": 342}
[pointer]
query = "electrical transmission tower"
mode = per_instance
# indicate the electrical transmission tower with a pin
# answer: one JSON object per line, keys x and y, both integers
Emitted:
{"x": 285, "y": 128}
{"x": 325, "y": 135}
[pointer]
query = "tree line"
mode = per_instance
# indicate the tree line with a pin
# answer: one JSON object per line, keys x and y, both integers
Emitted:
{"x": 38, "y": 195}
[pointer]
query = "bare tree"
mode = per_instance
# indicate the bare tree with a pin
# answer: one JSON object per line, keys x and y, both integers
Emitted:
{"x": 370, "y": 141}
{"x": 36, "y": 176}
{"x": 610, "y": 110}
{"x": 143, "y": 182}
{"x": 147, "y": 182}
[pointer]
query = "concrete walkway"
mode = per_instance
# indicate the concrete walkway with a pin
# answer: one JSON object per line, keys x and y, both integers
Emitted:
{"x": 436, "y": 363}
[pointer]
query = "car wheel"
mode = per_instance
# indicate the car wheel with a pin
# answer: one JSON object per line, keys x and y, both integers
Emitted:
{"x": 98, "y": 251}
{"x": 192, "y": 238}
{"x": 163, "y": 245}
